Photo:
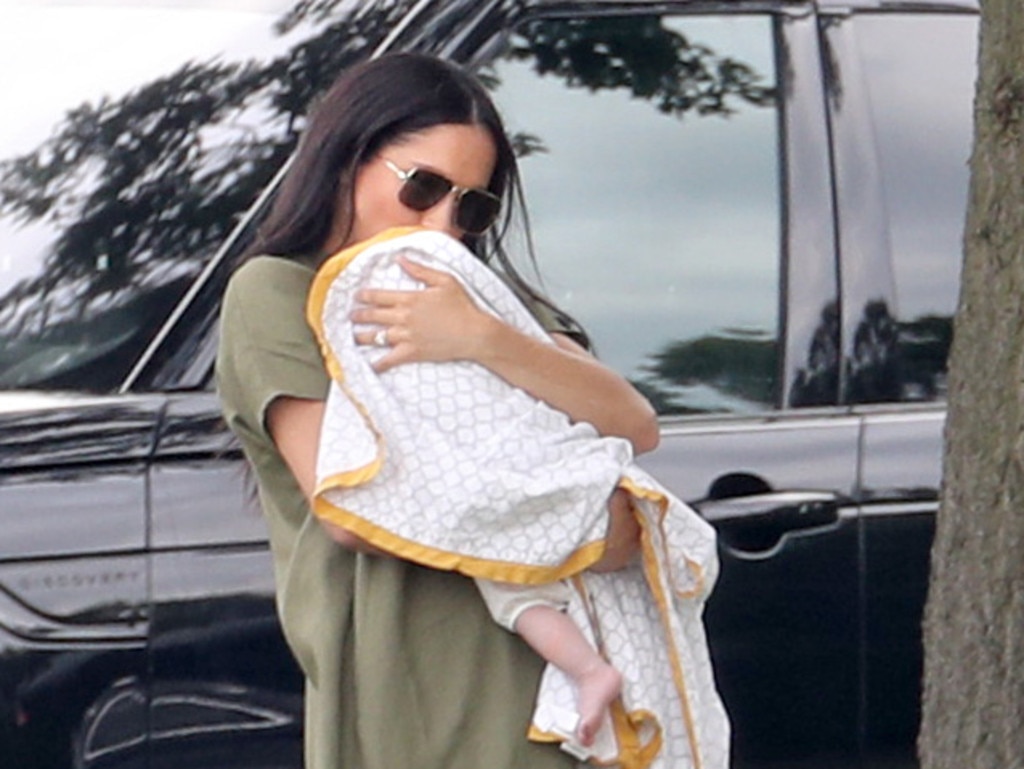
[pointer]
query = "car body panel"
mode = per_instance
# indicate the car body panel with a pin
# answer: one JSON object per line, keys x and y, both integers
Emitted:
{"x": 137, "y": 616}
{"x": 786, "y": 658}
{"x": 73, "y": 569}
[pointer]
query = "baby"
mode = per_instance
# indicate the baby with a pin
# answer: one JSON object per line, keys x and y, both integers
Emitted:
{"x": 450, "y": 466}
{"x": 537, "y": 614}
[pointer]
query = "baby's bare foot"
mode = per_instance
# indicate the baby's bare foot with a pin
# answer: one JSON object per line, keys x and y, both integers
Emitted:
{"x": 597, "y": 690}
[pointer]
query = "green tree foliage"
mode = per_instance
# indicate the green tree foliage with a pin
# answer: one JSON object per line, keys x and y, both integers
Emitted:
{"x": 641, "y": 55}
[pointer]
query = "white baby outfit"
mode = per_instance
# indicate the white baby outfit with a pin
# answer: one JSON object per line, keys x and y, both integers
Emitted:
{"x": 448, "y": 465}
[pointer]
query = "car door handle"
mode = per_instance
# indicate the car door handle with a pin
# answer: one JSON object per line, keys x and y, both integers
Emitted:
{"x": 758, "y": 522}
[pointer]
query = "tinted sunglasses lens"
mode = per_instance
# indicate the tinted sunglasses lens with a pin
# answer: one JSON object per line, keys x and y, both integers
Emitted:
{"x": 423, "y": 190}
{"x": 476, "y": 211}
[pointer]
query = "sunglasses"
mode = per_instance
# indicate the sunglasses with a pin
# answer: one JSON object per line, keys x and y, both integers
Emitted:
{"x": 475, "y": 209}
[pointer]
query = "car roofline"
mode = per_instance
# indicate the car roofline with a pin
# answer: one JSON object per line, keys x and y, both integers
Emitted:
{"x": 918, "y": 6}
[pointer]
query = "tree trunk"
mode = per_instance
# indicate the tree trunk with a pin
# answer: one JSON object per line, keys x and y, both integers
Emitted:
{"x": 973, "y": 705}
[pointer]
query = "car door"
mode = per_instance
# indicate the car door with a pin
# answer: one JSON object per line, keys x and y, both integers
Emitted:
{"x": 73, "y": 577}
{"x": 676, "y": 168}
{"x": 137, "y": 627}
{"x": 225, "y": 689}
{"x": 900, "y": 94}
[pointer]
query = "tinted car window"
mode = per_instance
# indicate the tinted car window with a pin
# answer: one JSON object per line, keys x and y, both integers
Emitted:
{"x": 130, "y": 157}
{"x": 651, "y": 171}
{"x": 921, "y": 98}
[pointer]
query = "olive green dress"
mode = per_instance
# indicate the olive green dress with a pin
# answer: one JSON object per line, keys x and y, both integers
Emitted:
{"x": 404, "y": 667}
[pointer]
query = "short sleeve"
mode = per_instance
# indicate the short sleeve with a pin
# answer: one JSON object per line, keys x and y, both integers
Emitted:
{"x": 267, "y": 349}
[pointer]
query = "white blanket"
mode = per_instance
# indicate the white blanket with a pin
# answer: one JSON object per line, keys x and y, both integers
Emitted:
{"x": 448, "y": 465}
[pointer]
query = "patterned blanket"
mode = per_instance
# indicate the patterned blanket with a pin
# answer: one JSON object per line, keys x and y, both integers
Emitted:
{"x": 448, "y": 465}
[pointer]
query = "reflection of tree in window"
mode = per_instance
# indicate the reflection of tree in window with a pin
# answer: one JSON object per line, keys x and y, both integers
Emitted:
{"x": 640, "y": 54}
{"x": 923, "y": 346}
{"x": 141, "y": 189}
{"x": 637, "y": 53}
{"x": 651, "y": 59}
{"x": 873, "y": 371}
{"x": 737, "y": 362}
{"x": 817, "y": 382}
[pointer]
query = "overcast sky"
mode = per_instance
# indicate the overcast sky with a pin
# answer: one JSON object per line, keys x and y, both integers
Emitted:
{"x": 55, "y": 55}
{"x": 58, "y": 55}
{"x": 654, "y": 228}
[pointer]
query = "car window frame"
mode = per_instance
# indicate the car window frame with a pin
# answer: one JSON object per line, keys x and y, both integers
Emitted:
{"x": 808, "y": 251}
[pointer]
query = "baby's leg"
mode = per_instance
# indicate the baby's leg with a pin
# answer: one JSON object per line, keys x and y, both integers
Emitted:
{"x": 558, "y": 640}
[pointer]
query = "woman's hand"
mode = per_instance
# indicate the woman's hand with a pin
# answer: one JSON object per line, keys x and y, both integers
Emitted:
{"x": 437, "y": 323}
{"x": 622, "y": 540}
{"x": 441, "y": 323}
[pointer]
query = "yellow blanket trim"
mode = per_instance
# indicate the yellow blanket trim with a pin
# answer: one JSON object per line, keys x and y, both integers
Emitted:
{"x": 318, "y": 291}
{"x": 627, "y": 726}
{"x": 355, "y": 477}
{"x": 368, "y": 471}
{"x": 498, "y": 571}
{"x": 332, "y": 267}
{"x": 650, "y": 562}
{"x": 633, "y": 754}
{"x": 536, "y": 735}
{"x": 653, "y": 495}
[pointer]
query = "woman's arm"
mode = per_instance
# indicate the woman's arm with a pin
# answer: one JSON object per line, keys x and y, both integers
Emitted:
{"x": 570, "y": 379}
{"x": 294, "y": 424}
{"x": 441, "y": 323}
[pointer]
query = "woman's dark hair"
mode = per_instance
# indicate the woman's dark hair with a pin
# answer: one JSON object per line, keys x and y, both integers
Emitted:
{"x": 373, "y": 104}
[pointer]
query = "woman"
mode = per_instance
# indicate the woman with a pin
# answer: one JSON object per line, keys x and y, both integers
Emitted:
{"x": 404, "y": 667}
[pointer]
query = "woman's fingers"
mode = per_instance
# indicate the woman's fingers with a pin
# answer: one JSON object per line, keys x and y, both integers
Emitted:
{"x": 378, "y": 336}
{"x": 395, "y": 357}
{"x": 386, "y": 311}
{"x": 384, "y": 297}
{"x": 435, "y": 323}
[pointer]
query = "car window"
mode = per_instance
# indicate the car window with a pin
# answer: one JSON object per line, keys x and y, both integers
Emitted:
{"x": 920, "y": 77}
{"x": 650, "y": 160}
{"x": 128, "y": 152}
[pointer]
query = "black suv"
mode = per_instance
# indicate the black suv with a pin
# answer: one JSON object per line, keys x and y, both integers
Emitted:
{"x": 754, "y": 206}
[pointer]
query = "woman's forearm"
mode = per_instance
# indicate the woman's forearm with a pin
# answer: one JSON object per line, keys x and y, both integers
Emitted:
{"x": 441, "y": 323}
{"x": 569, "y": 379}
{"x": 292, "y": 423}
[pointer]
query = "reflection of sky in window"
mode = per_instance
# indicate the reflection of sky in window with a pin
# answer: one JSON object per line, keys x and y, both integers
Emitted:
{"x": 921, "y": 76}
{"x": 650, "y": 228}
{"x": 79, "y": 52}
{"x": 75, "y": 52}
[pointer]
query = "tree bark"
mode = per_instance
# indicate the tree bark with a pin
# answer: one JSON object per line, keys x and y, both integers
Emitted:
{"x": 973, "y": 703}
